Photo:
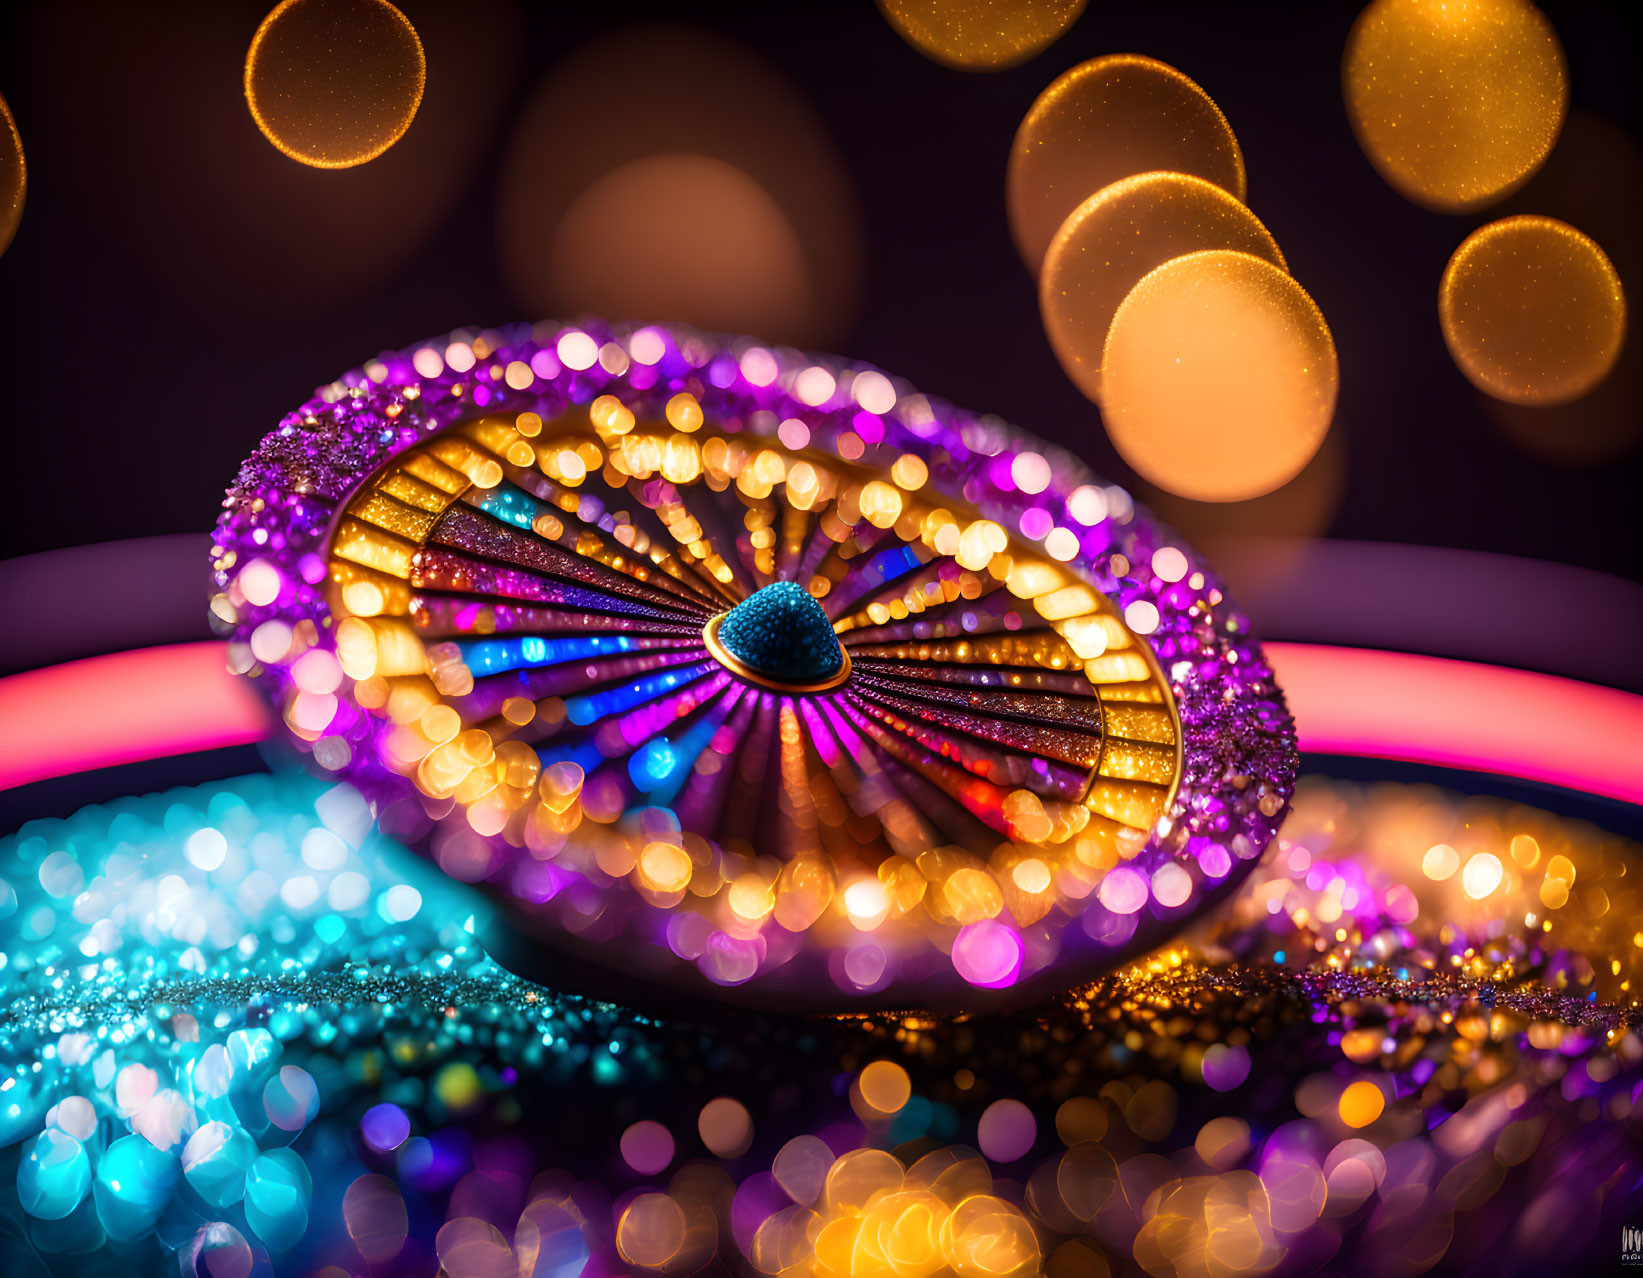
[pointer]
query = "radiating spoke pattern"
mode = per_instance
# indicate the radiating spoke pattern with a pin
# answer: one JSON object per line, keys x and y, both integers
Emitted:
{"x": 483, "y": 587}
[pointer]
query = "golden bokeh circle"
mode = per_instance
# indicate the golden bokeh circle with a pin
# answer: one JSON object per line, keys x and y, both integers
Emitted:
{"x": 1455, "y": 102}
{"x": 1532, "y": 310}
{"x": 1220, "y": 377}
{"x": 1114, "y": 238}
{"x": 1593, "y": 180}
{"x": 14, "y": 177}
{"x": 334, "y": 83}
{"x": 1107, "y": 119}
{"x": 981, "y": 35}
{"x": 651, "y": 1230}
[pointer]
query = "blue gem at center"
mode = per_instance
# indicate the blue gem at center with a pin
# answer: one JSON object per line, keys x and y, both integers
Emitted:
{"x": 782, "y": 632}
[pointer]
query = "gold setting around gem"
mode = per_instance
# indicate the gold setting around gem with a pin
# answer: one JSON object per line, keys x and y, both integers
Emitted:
{"x": 739, "y": 668}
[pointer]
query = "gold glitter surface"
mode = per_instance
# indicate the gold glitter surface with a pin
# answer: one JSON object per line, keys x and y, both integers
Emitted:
{"x": 13, "y": 177}
{"x": 1456, "y": 102}
{"x": 1220, "y": 377}
{"x": 1107, "y": 119}
{"x": 981, "y": 35}
{"x": 1139, "y": 761}
{"x": 1114, "y": 238}
{"x": 1532, "y": 311}
{"x": 396, "y": 516}
{"x": 393, "y": 578}
{"x": 334, "y": 83}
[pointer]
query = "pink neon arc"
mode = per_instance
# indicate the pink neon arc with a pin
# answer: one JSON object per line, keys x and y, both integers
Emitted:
{"x": 155, "y": 702}
{"x": 144, "y": 704}
{"x": 1394, "y": 705}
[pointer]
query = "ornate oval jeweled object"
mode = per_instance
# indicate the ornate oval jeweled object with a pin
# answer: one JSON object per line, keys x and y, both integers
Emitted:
{"x": 747, "y": 671}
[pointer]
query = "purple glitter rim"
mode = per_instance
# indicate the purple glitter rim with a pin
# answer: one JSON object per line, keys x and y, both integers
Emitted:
{"x": 1239, "y": 757}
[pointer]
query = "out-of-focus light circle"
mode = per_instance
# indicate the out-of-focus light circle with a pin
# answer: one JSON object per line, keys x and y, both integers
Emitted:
{"x": 471, "y": 1247}
{"x": 549, "y": 1242}
{"x": 885, "y": 1086}
{"x": 1223, "y": 1142}
{"x": 334, "y": 83}
{"x": 1123, "y": 891}
{"x": 725, "y": 1127}
{"x": 206, "y": 848}
{"x": 260, "y": 582}
{"x": 53, "y": 1175}
{"x": 220, "y": 1251}
{"x": 800, "y": 1167}
{"x": 1171, "y": 885}
{"x": 1220, "y": 377}
{"x": 1594, "y": 180}
{"x": 1440, "y": 862}
{"x": 651, "y": 1231}
{"x": 1225, "y": 1066}
{"x": 682, "y": 235}
{"x": 577, "y": 350}
{"x": 374, "y": 1212}
{"x": 704, "y": 189}
{"x": 647, "y": 1147}
{"x": 1455, "y": 102}
{"x": 291, "y": 1098}
{"x": 1118, "y": 235}
{"x": 1532, "y": 311}
{"x": 263, "y": 235}
{"x": 1141, "y": 616}
{"x": 1007, "y": 1131}
{"x": 981, "y": 35}
{"x": 1482, "y": 875}
{"x": 867, "y": 903}
{"x": 14, "y": 176}
{"x": 1079, "y": 1119}
{"x": 385, "y": 1127}
{"x": 1361, "y": 1103}
{"x": 988, "y": 954}
{"x": 1107, "y": 119}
